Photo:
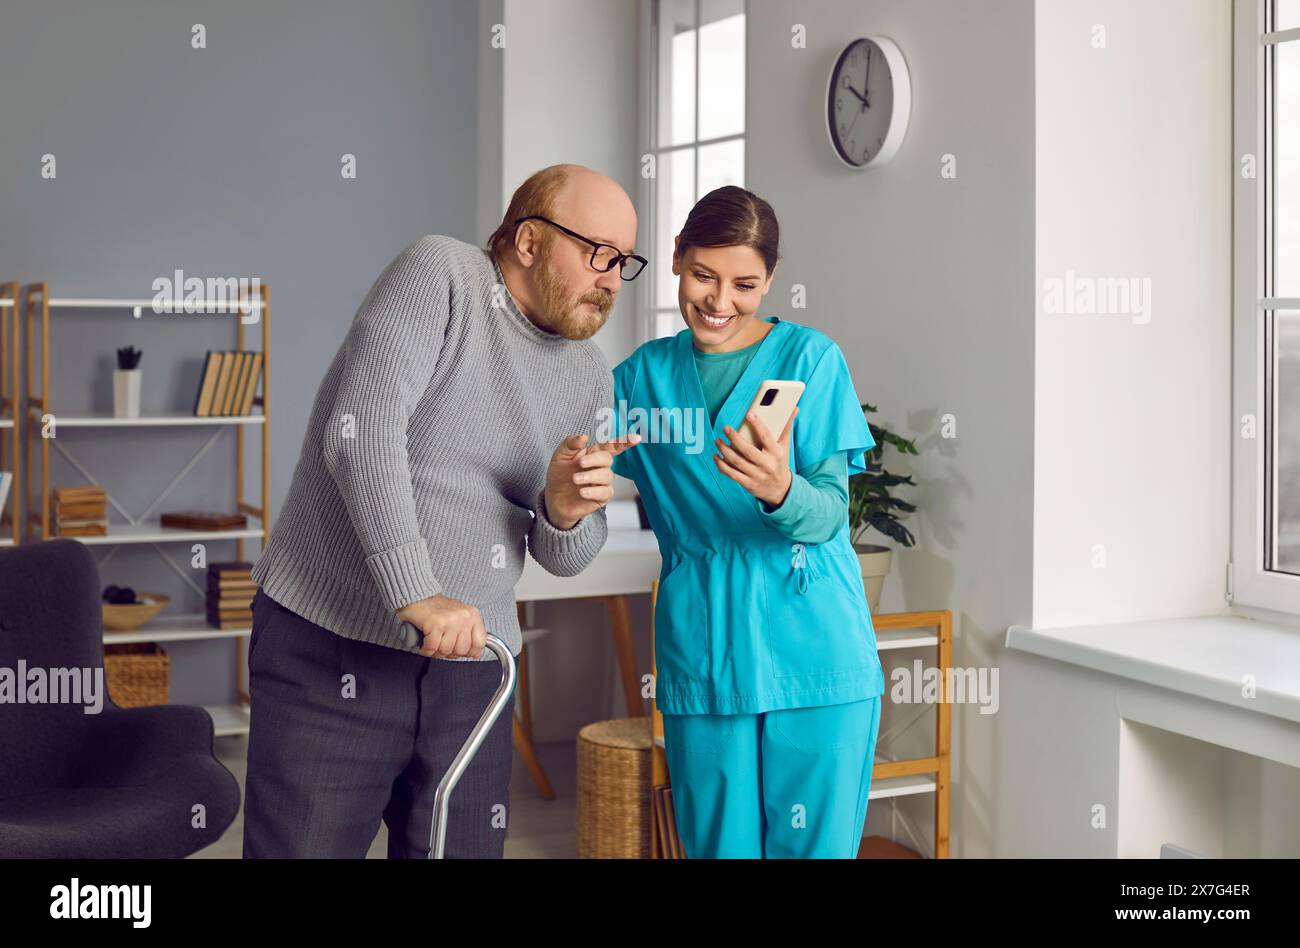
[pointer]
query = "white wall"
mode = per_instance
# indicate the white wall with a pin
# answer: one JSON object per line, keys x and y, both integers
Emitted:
{"x": 1133, "y": 413}
{"x": 1130, "y": 503}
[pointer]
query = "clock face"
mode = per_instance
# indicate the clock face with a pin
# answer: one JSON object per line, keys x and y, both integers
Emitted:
{"x": 867, "y": 102}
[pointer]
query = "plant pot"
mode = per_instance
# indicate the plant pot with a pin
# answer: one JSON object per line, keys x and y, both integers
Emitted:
{"x": 126, "y": 393}
{"x": 874, "y": 562}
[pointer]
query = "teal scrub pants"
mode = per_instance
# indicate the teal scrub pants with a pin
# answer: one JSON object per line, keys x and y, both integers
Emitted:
{"x": 787, "y": 784}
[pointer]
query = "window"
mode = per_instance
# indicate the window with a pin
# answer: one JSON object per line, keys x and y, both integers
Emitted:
{"x": 695, "y": 129}
{"x": 1266, "y": 306}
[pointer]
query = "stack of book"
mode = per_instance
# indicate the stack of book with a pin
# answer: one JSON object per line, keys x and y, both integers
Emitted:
{"x": 229, "y": 383}
{"x": 80, "y": 511}
{"x": 230, "y": 595}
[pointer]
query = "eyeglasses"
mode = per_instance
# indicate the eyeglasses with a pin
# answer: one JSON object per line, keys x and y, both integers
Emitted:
{"x": 603, "y": 257}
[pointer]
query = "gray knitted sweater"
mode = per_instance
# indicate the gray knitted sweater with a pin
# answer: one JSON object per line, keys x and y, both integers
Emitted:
{"x": 423, "y": 467}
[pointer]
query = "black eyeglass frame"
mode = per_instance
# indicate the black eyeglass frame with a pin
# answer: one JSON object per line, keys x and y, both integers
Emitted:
{"x": 619, "y": 256}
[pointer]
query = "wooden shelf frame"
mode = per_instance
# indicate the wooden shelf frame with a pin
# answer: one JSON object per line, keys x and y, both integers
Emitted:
{"x": 37, "y": 304}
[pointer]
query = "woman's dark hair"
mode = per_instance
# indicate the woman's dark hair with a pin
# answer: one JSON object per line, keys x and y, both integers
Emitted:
{"x": 730, "y": 216}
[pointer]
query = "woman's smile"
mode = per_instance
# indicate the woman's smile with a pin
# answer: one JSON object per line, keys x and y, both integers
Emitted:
{"x": 712, "y": 321}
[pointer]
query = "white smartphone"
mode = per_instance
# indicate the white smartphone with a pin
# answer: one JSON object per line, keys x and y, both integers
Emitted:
{"x": 774, "y": 404}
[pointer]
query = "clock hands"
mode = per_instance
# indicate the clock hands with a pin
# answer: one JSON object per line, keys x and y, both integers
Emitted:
{"x": 866, "y": 83}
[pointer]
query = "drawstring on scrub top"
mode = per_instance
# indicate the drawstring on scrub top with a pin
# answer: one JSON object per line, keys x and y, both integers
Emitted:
{"x": 802, "y": 567}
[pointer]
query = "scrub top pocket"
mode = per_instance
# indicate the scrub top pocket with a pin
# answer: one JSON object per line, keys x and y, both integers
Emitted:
{"x": 818, "y": 622}
{"x": 682, "y": 617}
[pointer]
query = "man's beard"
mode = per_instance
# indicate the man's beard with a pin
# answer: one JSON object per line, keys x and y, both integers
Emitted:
{"x": 570, "y": 317}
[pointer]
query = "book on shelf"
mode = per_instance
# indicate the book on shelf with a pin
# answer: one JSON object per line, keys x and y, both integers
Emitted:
{"x": 6, "y": 479}
{"x": 229, "y": 608}
{"x": 233, "y": 584}
{"x": 80, "y": 510}
{"x": 88, "y": 530}
{"x": 231, "y": 589}
{"x": 229, "y": 383}
{"x": 202, "y": 520}
{"x": 80, "y": 494}
{"x": 232, "y": 384}
{"x": 223, "y": 615}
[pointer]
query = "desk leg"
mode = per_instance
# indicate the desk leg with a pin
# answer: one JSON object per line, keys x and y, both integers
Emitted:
{"x": 524, "y": 744}
{"x": 621, "y": 625}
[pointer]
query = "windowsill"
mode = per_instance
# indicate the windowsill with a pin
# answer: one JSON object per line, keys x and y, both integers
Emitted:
{"x": 1207, "y": 656}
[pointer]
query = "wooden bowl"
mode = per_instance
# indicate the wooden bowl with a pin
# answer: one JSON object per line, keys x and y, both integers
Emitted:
{"x": 125, "y": 618}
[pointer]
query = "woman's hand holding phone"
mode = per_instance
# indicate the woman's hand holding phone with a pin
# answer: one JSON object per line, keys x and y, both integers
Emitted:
{"x": 762, "y": 469}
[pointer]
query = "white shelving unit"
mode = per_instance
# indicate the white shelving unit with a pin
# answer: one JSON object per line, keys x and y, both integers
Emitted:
{"x": 228, "y": 719}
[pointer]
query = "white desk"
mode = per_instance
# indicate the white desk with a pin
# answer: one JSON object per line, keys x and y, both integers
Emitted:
{"x": 627, "y": 564}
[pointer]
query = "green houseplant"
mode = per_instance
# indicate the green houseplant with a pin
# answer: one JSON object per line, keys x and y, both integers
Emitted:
{"x": 871, "y": 505}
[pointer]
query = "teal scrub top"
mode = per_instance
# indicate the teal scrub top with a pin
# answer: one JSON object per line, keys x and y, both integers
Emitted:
{"x": 747, "y": 620}
{"x": 818, "y": 498}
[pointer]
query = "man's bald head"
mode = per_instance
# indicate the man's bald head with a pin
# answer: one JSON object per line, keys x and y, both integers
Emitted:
{"x": 548, "y": 271}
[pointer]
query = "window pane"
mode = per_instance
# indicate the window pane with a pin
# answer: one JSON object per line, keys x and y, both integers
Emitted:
{"x": 1288, "y": 15}
{"x": 722, "y": 164}
{"x": 722, "y": 68}
{"x": 676, "y": 93}
{"x": 668, "y": 323}
{"x": 675, "y": 195}
{"x": 1285, "y": 499}
{"x": 1286, "y": 214}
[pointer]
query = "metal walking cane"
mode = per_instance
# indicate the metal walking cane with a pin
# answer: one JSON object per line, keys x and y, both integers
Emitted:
{"x": 412, "y": 636}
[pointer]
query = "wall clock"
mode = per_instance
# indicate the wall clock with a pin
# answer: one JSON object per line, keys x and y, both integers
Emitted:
{"x": 868, "y": 102}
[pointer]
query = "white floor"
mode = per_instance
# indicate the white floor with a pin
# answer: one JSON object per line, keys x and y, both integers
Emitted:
{"x": 539, "y": 829}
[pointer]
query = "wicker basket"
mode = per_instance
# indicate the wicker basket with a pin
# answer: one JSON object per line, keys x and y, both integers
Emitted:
{"x": 613, "y": 808}
{"x": 137, "y": 674}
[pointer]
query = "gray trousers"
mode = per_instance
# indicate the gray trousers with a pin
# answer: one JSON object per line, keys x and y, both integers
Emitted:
{"x": 344, "y": 732}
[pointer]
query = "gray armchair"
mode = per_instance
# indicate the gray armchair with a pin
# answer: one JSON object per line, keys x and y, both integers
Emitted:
{"x": 121, "y": 783}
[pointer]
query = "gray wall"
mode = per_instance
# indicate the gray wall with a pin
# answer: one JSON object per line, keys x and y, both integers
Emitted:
{"x": 927, "y": 284}
{"x": 222, "y": 161}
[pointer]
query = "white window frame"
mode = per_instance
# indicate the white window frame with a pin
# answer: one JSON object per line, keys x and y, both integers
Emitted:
{"x": 1250, "y": 586}
{"x": 647, "y": 192}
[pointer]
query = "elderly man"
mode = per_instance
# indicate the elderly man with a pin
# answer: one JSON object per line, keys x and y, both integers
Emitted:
{"x": 454, "y": 428}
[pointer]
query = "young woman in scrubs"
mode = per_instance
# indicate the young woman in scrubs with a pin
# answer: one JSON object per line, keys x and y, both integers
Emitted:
{"x": 767, "y": 671}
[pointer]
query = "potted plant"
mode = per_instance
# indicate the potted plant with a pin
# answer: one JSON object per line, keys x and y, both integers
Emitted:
{"x": 870, "y": 505}
{"x": 126, "y": 383}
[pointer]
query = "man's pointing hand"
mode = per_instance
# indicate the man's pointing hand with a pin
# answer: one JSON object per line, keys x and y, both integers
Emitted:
{"x": 580, "y": 479}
